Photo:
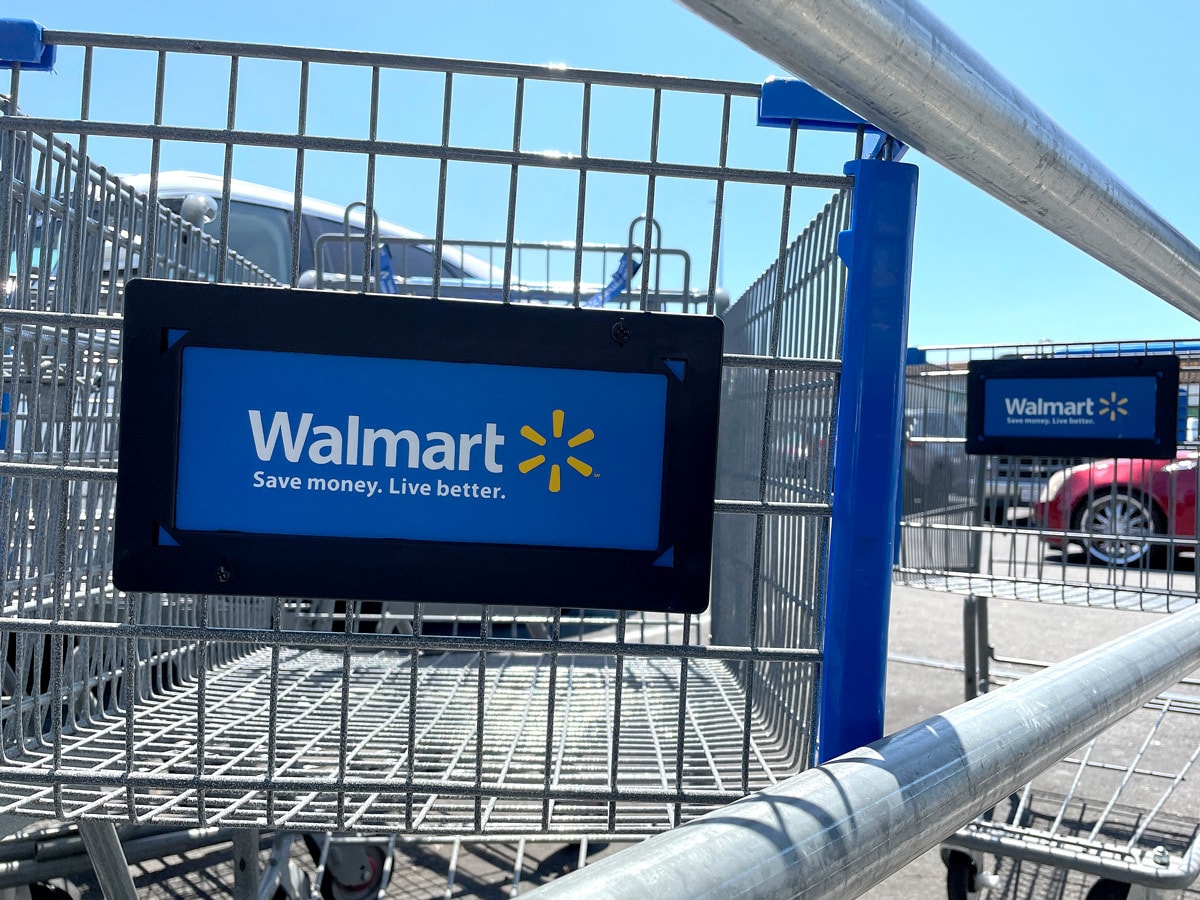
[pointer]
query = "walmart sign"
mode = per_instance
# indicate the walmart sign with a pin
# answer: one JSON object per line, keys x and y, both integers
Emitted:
{"x": 293, "y": 444}
{"x": 1122, "y": 406}
{"x": 297, "y": 443}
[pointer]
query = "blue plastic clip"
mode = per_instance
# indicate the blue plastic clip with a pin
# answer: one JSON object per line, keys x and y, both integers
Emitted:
{"x": 783, "y": 101}
{"x": 626, "y": 269}
{"x": 787, "y": 100}
{"x": 21, "y": 42}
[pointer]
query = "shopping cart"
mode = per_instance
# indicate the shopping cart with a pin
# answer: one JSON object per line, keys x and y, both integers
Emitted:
{"x": 979, "y": 524}
{"x": 1105, "y": 534}
{"x": 440, "y": 724}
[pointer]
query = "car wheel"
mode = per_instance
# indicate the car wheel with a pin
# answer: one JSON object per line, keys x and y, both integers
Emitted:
{"x": 1120, "y": 521}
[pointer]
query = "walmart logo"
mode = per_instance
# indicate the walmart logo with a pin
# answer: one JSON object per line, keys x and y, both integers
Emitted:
{"x": 556, "y": 422}
{"x": 1111, "y": 407}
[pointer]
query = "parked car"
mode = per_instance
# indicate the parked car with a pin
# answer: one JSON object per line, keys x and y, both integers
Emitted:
{"x": 260, "y": 228}
{"x": 1017, "y": 481}
{"x": 331, "y": 252}
{"x": 936, "y": 468}
{"x": 1117, "y": 507}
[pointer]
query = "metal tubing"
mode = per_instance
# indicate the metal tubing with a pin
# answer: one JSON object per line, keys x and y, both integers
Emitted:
{"x": 898, "y": 66}
{"x": 836, "y": 830}
{"x": 1169, "y": 880}
{"x": 63, "y": 856}
{"x": 108, "y": 859}
{"x": 246, "y": 844}
{"x": 983, "y": 646}
{"x": 970, "y": 659}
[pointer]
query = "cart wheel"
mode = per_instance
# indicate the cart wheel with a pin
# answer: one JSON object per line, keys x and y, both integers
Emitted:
{"x": 55, "y": 889}
{"x": 1106, "y": 889}
{"x": 960, "y": 876}
{"x": 332, "y": 889}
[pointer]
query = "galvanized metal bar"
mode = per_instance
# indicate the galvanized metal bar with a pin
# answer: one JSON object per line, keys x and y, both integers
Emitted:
{"x": 245, "y": 863}
{"x": 108, "y": 859}
{"x": 836, "y": 830}
{"x": 898, "y": 66}
{"x": 307, "y": 142}
{"x": 970, "y": 648}
{"x": 983, "y": 645}
{"x": 545, "y": 72}
{"x": 374, "y": 642}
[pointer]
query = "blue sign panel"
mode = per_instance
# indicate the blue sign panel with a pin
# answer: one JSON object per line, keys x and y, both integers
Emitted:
{"x": 1078, "y": 407}
{"x": 1074, "y": 407}
{"x": 306, "y": 444}
{"x": 322, "y": 444}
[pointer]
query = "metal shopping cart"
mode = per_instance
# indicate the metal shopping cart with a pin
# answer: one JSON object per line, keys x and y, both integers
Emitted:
{"x": 1104, "y": 534}
{"x": 502, "y": 724}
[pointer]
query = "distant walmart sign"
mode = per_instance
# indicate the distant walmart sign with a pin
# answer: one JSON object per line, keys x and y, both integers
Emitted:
{"x": 1071, "y": 407}
{"x": 1123, "y": 406}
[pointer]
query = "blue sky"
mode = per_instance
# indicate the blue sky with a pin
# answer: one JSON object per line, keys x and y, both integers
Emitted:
{"x": 1116, "y": 75}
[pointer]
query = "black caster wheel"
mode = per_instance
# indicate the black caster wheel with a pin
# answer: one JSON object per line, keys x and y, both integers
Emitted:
{"x": 1105, "y": 889}
{"x": 960, "y": 875}
{"x": 56, "y": 889}
{"x": 374, "y": 880}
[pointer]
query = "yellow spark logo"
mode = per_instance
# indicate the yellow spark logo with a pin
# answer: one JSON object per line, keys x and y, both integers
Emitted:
{"x": 1112, "y": 407}
{"x": 556, "y": 421}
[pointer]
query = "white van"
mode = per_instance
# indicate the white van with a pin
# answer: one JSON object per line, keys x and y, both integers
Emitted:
{"x": 331, "y": 252}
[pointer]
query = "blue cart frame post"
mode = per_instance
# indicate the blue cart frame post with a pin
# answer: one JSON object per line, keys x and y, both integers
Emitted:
{"x": 877, "y": 251}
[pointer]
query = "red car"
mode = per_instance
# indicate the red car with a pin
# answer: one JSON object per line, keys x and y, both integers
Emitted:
{"x": 1115, "y": 508}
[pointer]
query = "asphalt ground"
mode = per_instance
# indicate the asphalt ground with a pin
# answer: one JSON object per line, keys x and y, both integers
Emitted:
{"x": 925, "y": 677}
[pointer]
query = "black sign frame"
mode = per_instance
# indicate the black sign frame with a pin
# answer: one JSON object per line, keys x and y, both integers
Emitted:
{"x": 1163, "y": 368}
{"x": 162, "y": 318}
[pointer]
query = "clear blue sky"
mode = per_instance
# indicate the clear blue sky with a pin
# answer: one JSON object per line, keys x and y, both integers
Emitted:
{"x": 1118, "y": 76}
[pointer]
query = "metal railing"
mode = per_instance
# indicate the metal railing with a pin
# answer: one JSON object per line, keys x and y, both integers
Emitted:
{"x": 898, "y": 66}
{"x": 836, "y": 830}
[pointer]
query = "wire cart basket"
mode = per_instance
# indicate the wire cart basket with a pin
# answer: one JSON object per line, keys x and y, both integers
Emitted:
{"x": 433, "y": 722}
{"x": 1104, "y": 534}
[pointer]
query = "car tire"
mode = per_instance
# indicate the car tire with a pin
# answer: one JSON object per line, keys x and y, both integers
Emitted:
{"x": 1122, "y": 520}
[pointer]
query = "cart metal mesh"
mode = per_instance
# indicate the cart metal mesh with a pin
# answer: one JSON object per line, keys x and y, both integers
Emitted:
{"x": 1123, "y": 534}
{"x": 417, "y": 718}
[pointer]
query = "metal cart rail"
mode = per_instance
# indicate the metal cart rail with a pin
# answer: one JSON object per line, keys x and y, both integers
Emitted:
{"x": 1068, "y": 531}
{"x": 1120, "y": 809}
